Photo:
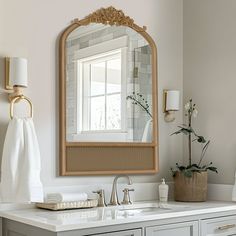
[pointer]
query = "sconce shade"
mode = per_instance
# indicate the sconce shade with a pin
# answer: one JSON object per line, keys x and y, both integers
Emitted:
{"x": 172, "y": 100}
{"x": 18, "y": 74}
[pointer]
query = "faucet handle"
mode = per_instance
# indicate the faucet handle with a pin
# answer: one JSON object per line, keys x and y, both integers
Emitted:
{"x": 126, "y": 199}
{"x": 98, "y": 191}
{"x": 101, "y": 197}
{"x": 128, "y": 190}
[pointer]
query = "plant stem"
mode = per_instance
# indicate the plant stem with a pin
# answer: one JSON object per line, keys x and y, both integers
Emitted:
{"x": 189, "y": 135}
{"x": 144, "y": 108}
{"x": 141, "y": 105}
{"x": 189, "y": 149}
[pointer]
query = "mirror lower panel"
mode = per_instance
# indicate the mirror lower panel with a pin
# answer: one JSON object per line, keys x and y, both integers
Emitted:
{"x": 102, "y": 160}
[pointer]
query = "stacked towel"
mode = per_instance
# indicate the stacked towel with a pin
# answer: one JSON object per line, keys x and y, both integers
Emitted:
{"x": 65, "y": 197}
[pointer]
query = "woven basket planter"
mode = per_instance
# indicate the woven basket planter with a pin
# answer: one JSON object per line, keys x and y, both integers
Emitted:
{"x": 190, "y": 189}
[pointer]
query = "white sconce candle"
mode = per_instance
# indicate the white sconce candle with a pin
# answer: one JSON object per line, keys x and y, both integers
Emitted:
{"x": 18, "y": 74}
{"x": 171, "y": 104}
{"x": 172, "y": 100}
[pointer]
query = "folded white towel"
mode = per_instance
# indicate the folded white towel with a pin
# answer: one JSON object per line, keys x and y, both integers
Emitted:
{"x": 65, "y": 197}
{"x": 20, "y": 170}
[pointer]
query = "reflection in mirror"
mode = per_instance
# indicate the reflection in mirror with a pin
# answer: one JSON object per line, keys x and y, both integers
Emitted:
{"x": 108, "y": 85}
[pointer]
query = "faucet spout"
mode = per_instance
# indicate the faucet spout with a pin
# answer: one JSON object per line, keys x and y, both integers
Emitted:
{"x": 114, "y": 196}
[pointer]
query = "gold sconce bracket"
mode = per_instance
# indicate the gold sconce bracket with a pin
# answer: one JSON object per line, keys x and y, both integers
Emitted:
{"x": 15, "y": 81}
{"x": 7, "y": 74}
{"x": 164, "y": 100}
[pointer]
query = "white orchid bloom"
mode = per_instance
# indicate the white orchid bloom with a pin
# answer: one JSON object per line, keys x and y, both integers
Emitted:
{"x": 195, "y": 112}
{"x": 187, "y": 106}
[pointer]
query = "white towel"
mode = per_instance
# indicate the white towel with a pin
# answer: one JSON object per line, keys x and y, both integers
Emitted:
{"x": 20, "y": 170}
{"x": 65, "y": 197}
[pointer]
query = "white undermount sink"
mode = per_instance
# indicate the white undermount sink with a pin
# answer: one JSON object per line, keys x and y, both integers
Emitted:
{"x": 141, "y": 211}
{"x": 148, "y": 208}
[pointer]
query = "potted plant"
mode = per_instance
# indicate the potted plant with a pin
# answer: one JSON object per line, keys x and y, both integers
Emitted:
{"x": 190, "y": 181}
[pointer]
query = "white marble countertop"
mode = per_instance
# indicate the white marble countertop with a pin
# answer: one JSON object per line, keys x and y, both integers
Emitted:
{"x": 107, "y": 216}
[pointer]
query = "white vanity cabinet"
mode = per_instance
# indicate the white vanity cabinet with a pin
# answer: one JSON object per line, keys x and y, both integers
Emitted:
{"x": 219, "y": 219}
{"x": 218, "y": 226}
{"x": 221, "y": 226}
{"x": 180, "y": 229}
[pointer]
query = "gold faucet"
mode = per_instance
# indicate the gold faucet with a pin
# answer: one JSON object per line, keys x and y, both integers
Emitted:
{"x": 114, "y": 196}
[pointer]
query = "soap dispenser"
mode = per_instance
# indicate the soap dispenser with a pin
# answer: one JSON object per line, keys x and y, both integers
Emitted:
{"x": 234, "y": 190}
{"x": 163, "y": 191}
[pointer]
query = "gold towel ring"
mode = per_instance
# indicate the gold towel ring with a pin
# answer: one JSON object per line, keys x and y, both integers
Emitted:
{"x": 14, "y": 100}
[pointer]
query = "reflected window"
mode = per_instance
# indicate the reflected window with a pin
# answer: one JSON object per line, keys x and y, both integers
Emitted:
{"x": 101, "y": 100}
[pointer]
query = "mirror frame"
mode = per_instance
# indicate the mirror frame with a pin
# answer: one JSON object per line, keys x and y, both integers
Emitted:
{"x": 109, "y": 16}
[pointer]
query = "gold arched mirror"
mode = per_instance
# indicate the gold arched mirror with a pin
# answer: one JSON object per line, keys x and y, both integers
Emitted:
{"x": 108, "y": 96}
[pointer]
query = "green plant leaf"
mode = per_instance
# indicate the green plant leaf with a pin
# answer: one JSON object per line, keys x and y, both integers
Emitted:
{"x": 212, "y": 168}
{"x": 183, "y": 130}
{"x": 195, "y": 165}
{"x": 181, "y": 168}
{"x": 173, "y": 172}
{"x": 188, "y": 173}
{"x": 201, "y": 139}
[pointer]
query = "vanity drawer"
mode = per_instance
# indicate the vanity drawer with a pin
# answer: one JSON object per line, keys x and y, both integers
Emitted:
{"x": 222, "y": 226}
{"x": 134, "y": 232}
{"x": 178, "y": 229}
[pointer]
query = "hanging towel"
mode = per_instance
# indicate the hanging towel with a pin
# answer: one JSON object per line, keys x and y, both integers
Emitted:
{"x": 20, "y": 170}
{"x": 65, "y": 197}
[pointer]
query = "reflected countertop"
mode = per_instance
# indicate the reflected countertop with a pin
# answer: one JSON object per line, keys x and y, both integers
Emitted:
{"x": 106, "y": 216}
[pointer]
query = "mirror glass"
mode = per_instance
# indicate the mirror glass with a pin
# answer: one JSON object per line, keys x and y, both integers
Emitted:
{"x": 108, "y": 85}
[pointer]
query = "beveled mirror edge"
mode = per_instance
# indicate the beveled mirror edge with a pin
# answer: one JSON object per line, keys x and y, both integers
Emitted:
{"x": 109, "y": 16}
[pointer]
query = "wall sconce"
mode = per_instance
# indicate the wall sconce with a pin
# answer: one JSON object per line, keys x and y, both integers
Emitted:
{"x": 16, "y": 76}
{"x": 171, "y": 104}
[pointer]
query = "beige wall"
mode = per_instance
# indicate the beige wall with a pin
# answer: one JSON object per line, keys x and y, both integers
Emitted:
{"x": 31, "y": 30}
{"x": 210, "y": 78}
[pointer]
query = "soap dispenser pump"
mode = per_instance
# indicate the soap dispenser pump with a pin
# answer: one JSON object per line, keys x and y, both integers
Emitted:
{"x": 163, "y": 191}
{"x": 234, "y": 190}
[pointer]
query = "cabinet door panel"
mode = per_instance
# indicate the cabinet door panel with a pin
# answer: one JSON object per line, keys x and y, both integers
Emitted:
{"x": 181, "y": 229}
{"x": 222, "y": 226}
{"x": 14, "y": 228}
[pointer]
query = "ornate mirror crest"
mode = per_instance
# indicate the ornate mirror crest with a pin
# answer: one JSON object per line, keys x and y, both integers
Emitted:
{"x": 110, "y": 16}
